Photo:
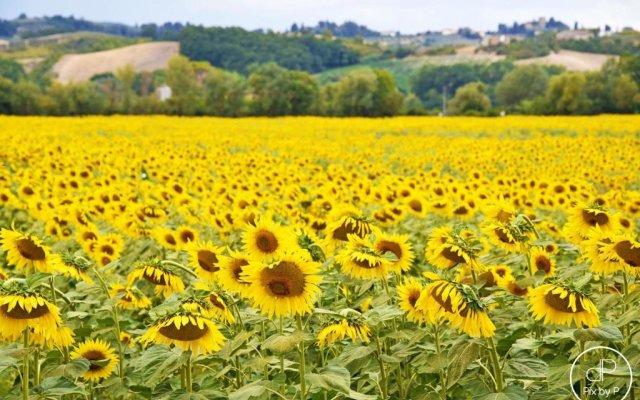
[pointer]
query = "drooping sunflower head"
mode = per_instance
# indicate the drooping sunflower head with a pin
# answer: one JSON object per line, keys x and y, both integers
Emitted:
{"x": 559, "y": 304}
{"x": 344, "y": 221}
{"x": 506, "y": 236}
{"x": 399, "y": 246}
{"x": 360, "y": 259}
{"x": 541, "y": 261}
{"x": 205, "y": 259}
{"x": 101, "y": 356}
{"x": 583, "y": 218}
{"x": 21, "y": 309}
{"x": 75, "y": 268}
{"x": 287, "y": 286}
{"x": 448, "y": 247}
{"x": 129, "y": 297}
{"x": 61, "y": 336}
{"x": 623, "y": 251}
{"x": 210, "y": 302}
{"x": 26, "y": 252}
{"x": 350, "y": 326}
{"x": 472, "y": 318}
{"x": 409, "y": 292}
{"x": 164, "y": 280}
{"x": 439, "y": 299}
{"x": 230, "y": 274}
{"x": 267, "y": 240}
{"x": 500, "y": 210}
{"x": 187, "y": 330}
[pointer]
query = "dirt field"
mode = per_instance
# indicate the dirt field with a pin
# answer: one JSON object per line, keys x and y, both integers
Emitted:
{"x": 572, "y": 60}
{"x": 143, "y": 57}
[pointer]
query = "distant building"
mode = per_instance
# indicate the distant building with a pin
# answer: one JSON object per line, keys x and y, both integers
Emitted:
{"x": 4, "y": 44}
{"x": 163, "y": 92}
{"x": 581, "y": 34}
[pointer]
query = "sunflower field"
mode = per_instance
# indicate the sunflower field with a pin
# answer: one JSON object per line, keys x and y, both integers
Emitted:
{"x": 313, "y": 258}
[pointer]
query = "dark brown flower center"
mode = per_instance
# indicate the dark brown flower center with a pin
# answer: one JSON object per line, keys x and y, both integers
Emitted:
{"x": 208, "y": 260}
{"x": 150, "y": 276}
{"x": 346, "y": 228}
{"x": 504, "y": 216}
{"x": 29, "y": 250}
{"x": 592, "y": 218}
{"x": 488, "y": 278}
{"x": 266, "y": 241}
{"x": 236, "y": 268}
{"x": 628, "y": 253}
{"x": 94, "y": 355}
{"x": 187, "y": 236}
{"x": 186, "y": 333}
{"x": 415, "y": 205}
{"x": 284, "y": 279}
{"x": 386, "y": 245}
{"x": 554, "y": 301}
{"x": 452, "y": 255}
{"x": 543, "y": 264}
{"x": 18, "y": 312}
{"x": 502, "y": 236}
{"x": 215, "y": 300}
{"x": 413, "y": 297}
{"x": 367, "y": 263}
{"x": 170, "y": 239}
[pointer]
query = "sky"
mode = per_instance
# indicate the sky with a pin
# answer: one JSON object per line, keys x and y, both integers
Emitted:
{"x": 407, "y": 16}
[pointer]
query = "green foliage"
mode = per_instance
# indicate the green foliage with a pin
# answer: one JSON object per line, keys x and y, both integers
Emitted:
{"x": 522, "y": 83}
{"x": 236, "y": 49}
{"x": 619, "y": 44}
{"x": 371, "y": 93}
{"x": 277, "y": 91}
{"x": 11, "y": 70}
{"x": 565, "y": 94}
{"x": 470, "y": 99}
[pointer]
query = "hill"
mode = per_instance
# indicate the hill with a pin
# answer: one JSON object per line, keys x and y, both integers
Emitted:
{"x": 143, "y": 57}
{"x": 571, "y": 60}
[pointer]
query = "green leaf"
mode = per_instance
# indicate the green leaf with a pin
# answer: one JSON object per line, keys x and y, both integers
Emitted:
{"x": 527, "y": 344}
{"x": 37, "y": 279}
{"x": 73, "y": 369}
{"x": 281, "y": 344}
{"x": 605, "y": 333}
{"x": 158, "y": 363}
{"x": 526, "y": 368}
{"x": 464, "y": 353}
{"x": 352, "y": 354}
{"x": 7, "y": 378}
{"x": 332, "y": 378}
{"x": 58, "y": 386}
{"x": 361, "y": 396}
{"x": 246, "y": 392}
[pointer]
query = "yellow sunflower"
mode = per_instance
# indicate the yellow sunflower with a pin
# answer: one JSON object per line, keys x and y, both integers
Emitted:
{"x": 559, "y": 304}
{"x": 439, "y": 299}
{"x": 164, "y": 280}
{"x": 623, "y": 250}
{"x": 26, "y": 252}
{"x": 129, "y": 298}
{"x": 186, "y": 236}
{"x": 353, "y": 328}
{"x": 542, "y": 261}
{"x": 230, "y": 274}
{"x": 186, "y": 330}
{"x": 344, "y": 221}
{"x": 287, "y": 286}
{"x": 472, "y": 319}
{"x": 400, "y": 246}
{"x": 23, "y": 309}
{"x": 74, "y": 268}
{"x": 408, "y": 294}
{"x": 205, "y": 259}
{"x": 166, "y": 237}
{"x": 583, "y": 218}
{"x": 61, "y": 336}
{"x": 101, "y": 356}
{"x": 447, "y": 248}
{"x": 211, "y": 304}
{"x": 599, "y": 251}
{"x": 500, "y": 210}
{"x": 266, "y": 239}
{"x": 503, "y": 236}
{"x": 361, "y": 260}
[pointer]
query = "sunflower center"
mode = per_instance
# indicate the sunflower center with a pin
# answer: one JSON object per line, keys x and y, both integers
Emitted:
{"x": 502, "y": 236}
{"x": 446, "y": 304}
{"x": 504, "y": 216}
{"x": 18, "y": 312}
{"x": 554, "y": 301}
{"x": 592, "y": 218}
{"x": 543, "y": 264}
{"x": 386, "y": 245}
{"x": 284, "y": 279}
{"x": 216, "y": 302}
{"x": 628, "y": 253}
{"x": 413, "y": 297}
{"x": 29, "y": 250}
{"x": 187, "y": 236}
{"x": 186, "y": 333}
{"x": 236, "y": 268}
{"x": 208, "y": 260}
{"x": 170, "y": 239}
{"x": 367, "y": 263}
{"x": 415, "y": 205}
{"x": 266, "y": 241}
{"x": 151, "y": 277}
{"x": 452, "y": 255}
{"x": 94, "y": 355}
{"x": 355, "y": 228}
{"x": 488, "y": 278}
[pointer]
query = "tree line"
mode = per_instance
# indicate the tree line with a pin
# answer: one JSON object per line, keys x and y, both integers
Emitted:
{"x": 198, "y": 88}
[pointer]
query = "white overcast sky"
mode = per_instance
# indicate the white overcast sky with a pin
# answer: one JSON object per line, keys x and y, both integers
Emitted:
{"x": 407, "y": 16}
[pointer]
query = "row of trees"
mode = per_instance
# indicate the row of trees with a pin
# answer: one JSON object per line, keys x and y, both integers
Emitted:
{"x": 271, "y": 90}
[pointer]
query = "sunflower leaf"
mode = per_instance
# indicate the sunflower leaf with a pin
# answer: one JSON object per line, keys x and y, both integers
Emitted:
{"x": 73, "y": 369}
{"x": 332, "y": 378}
{"x": 252, "y": 390}
{"x": 605, "y": 333}
{"x": 464, "y": 353}
{"x": 281, "y": 344}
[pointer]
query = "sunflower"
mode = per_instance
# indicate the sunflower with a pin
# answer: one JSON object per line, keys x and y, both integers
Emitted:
{"x": 447, "y": 248}
{"x": 500, "y": 210}
{"x": 61, "y": 336}
{"x": 230, "y": 274}
{"x": 583, "y": 218}
{"x": 129, "y": 298}
{"x": 472, "y": 319}
{"x": 211, "y": 304}
{"x": 624, "y": 251}
{"x": 165, "y": 281}
{"x": 266, "y": 239}
{"x": 187, "y": 330}
{"x": 505, "y": 237}
{"x": 205, "y": 259}
{"x": 166, "y": 237}
{"x": 559, "y": 304}
{"x": 101, "y": 356}
{"x": 344, "y": 221}
{"x": 540, "y": 260}
{"x": 74, "y": 268}
{"x": 24, "y": 309}
{"x": 408, "y": 294}
{"x": 439, "y": 299}
{"x": 353, "y": 328}
{"x": 400, "y": 247}
{"x": 502, "y": 275}
{"x": 27, "y": 252}
{"x": 287, "y": 286}
{"x": 361, "y": 260}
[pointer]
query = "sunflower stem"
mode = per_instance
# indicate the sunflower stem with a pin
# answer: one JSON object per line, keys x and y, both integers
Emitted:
{"x": 189, "y": 377}
{"x": 303, "y": 381}
{"x": 583, "y": 380}
{"x": 25, "y": 371}
{"x": 264, "y": 338}
{"x": 180, "y": 266}
{"x": 497, "y": 371}
{"x": 383, "y": 373}
{"x": 443, "y": 378}
{"x": 528, "y": 255}
{"x": 625, "y": 289}
{"x": 116, "y": 320}
{"x": 36, "y": 366}
{"x": 281, "y": 331}
{"x": 474, "y": 276}
{"x": 53, "y": 289}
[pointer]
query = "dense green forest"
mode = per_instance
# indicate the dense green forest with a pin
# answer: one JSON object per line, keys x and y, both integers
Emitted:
{"x": 236, "y": 49}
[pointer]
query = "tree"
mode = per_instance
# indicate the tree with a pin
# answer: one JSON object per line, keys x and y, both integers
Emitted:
{"x": 565, "y": 94}
{"x": 11, "y": 70}
{"x": 127, "y": 76}
{"x": 277, "y": 91}
{"x": 224, "y": 93}
{"x": 387, "y": 99}
{"x": 625, "y": 94}
{"x": 181, "y": 78}
{"x": 522, "y": 83}
{"x": 470, "y": 99}
{"x": 370, "y": 93}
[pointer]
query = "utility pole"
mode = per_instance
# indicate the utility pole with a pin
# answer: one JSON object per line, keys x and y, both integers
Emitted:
{"x": 444, "y": 100}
